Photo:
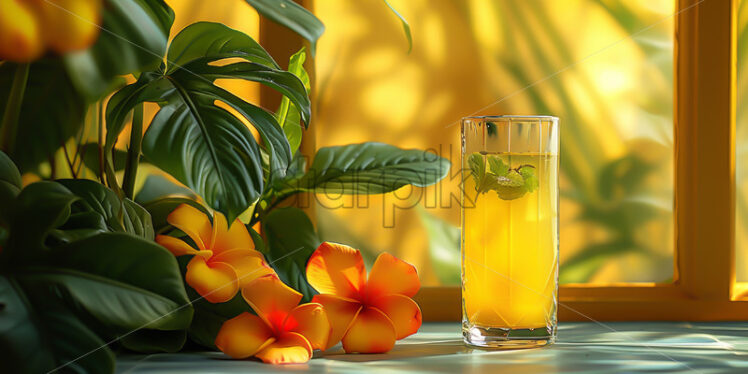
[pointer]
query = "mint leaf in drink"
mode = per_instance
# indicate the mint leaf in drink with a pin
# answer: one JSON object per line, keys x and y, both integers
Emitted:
{"x": 508, "y": 183}
{"x": 478, "y": 170}
{"x": 484, "y": 182}
{"x": 511, "y": 186}
{"x": 530, "y": 178}
{"x": 497, "y": 166}
{"x": 477, "y": 167}
{"x": 511, "y": 179}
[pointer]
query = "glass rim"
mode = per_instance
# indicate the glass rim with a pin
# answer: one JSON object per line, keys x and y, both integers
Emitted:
{"x": 511, "y": 116}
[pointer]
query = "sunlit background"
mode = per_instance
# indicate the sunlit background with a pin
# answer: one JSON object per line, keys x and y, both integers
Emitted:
{"x": 604, "y": 67}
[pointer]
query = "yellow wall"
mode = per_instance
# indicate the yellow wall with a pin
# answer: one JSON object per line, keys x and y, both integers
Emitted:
{"x": 612, "y": 93}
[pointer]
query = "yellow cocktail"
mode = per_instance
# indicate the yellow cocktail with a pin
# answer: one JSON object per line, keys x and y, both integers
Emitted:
{"x": 510, "y": 231}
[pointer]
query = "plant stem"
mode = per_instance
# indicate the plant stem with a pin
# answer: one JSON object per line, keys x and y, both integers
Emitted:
{"x": 9, "y": 126}
{"x": 133, "y": 153}
{"x": 100, "y": 124}
{"x": 69, "y": 161}
{"x": 279, "y": 198}
{"x": 52, "y": 168}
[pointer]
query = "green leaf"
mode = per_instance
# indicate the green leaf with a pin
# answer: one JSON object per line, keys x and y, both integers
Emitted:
{"x": 195, "y": 140}
{"x": 161, "y": 208}
{"x": 208, "y": 42}
{"x": 484, "y": 181}
{"x": 406, "y": 26}
{"x": 207, "y": 149}
{"x": 498, "y": 166}
{"x": 289, "y": 116}
{"x": 293, "y": 16}
{"x": 257, "y": 240}
{"x": 149, "y": 87}
{"x": 10, "y": 185}
{"x": 39, "y": 335}
{"x": 444, "y": 248}
{"x": 508, "y": 183}
{"x": 52, "y": 112}
{"x": 530, "y": 178}
{"x": 38, "y": 209}
{"x": 9, "y": 172}
{"x": 158, "y": 186}
{"x": 477, "y": 165}
{"x": 371, "y": 168}
{"x": 90, "y": 155}
{"x": 110, "y": 283}
{"x": 122, "y": 281}
{"x": 289, "y": 85}
{"x": 133, "y": 38}
{"x": 291, "y": 240}
{"x": 511, "y": 186}
{"x": 120, "y": 215}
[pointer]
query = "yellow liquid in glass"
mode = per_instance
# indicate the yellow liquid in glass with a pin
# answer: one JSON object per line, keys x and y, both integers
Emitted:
{"x": 509, "y": 254}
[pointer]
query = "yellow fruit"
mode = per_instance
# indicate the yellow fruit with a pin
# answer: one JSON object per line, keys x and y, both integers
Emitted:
{"x": 20, "y": 38}
{"x": 69, "y": 25}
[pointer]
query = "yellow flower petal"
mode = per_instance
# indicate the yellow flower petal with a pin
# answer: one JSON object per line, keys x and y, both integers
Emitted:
{"x": 225, "y": 238}
{"x": 402, "y": 311}
{"x": 290, "y": 348}
{"x": 69, "y": 25}
{"x": 340, "y": 312}
{"x": 194, "y": 223}
{"x": 248, "y": 264}
{"x": 390, "y": 275}
{"x": 20, "y": 32}
{"x": 271, "y": 299}
{"x": 310, "y": 320}
{"x": 175, "y": 245}
{"x": 243, "y": 336}
{"x": 371, "y": 332}
{"x": 215, "y": 281}
{"x": 336, "y": 269}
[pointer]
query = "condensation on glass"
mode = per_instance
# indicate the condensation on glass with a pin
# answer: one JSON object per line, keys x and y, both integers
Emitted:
{"x": 510, "y": 230}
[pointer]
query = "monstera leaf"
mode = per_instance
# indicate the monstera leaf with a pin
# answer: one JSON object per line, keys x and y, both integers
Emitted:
{"x": 194, "y": 139}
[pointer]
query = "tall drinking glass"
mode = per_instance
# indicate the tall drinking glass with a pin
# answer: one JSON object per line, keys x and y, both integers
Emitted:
{"x": 509, "y": 230}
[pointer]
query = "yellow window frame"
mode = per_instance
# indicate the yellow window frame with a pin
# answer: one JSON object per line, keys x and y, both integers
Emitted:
{"x": 704, "y": 287}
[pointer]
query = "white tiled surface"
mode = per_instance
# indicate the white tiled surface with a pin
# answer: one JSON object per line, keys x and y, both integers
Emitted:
{"x": 581, "y": 348}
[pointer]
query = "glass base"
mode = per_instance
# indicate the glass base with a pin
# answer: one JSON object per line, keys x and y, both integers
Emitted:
{"x": 507, "y": 338}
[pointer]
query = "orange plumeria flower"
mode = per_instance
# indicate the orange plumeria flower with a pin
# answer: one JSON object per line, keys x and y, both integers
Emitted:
{"x": 282, "y": 332}
{"x": 367, "y": 315}
{"x": 225, "y": 259}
